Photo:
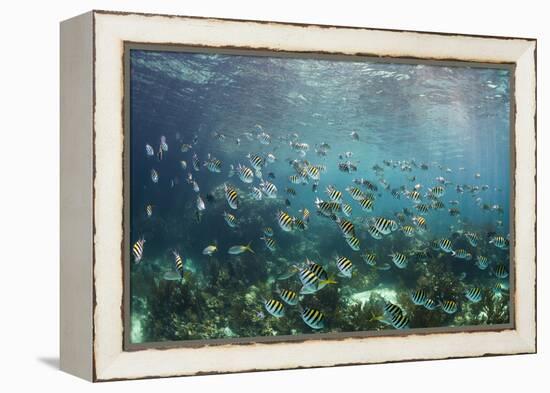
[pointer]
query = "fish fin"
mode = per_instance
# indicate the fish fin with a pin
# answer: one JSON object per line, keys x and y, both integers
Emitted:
{"x": 248, "y": 247}
{"x": 327, "y": 281}
{"x": 375, "y": 317}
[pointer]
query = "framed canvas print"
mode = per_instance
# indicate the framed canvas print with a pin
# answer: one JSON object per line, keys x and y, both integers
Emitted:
{"x": 246, "y": 195}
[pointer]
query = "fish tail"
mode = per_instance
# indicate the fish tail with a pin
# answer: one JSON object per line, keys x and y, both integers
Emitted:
{"x": 327, "y": 281}
{"x": 375, "y": 317}
{"x": 248, "y": 247}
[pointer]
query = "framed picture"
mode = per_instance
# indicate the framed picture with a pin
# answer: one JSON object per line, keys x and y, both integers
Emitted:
{"x": 246, "y": 195}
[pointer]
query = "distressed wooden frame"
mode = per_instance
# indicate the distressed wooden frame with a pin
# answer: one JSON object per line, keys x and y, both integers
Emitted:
{"x": 92, "y": 195}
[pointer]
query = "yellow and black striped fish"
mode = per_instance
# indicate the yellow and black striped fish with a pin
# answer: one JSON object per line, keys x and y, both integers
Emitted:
{"x": 355, "y": 193}
{"x": 473, "y": 238}
{"x": 317, "y": 269}
{"x": 289, "y": 297}
{"x": 313, "y": 172}
{"x": 500, "y": 271}
{"x": 445, "y": 245}
{"x": 449, "y": 306}
{"x": 269, "y": 243}
{"x": 384, "y": 225}
{"x": 500, "y": 289}
{"x": 275, "y": 308}
{"x": 334, "y": 194}
{"x": 473, "y": 294}
{"x": 400, "y": 260}
{"x": 374, "y": 232}
{"x": 399, "y": 321}
{"x": 347, "y": 227}
{"x": 327, "y": 208}
{"x": 286, "y": 222}
{"x": 178, "y": 262}
{"x": 149, "y": 210}
{"x": 347, "y": 209}
{"x": 408, "y": 230}
{"x": 437, "y": 191}
{"x": 256, "y": 161}
{"x": 500, "y": 242}
{"x": 315, "y": 319}
{"x": 414, "y": 195}
{"x": 419, "y": 297}
{"x": 422, "y": 208}
{"x": 391, "y": 309}
{"x": 353, "y": 242}
{"x": 213, "y": 165}
{"x": 308, "y": 278}
{"x": 430, "y": 304}
{"x": 300, "y": 224}
{"x": 345, "y": 266}
{"x": 137, "y": 250}
{"x": 367, "y": 204}
{"x": 230, "y": 219}
{"x": 420, "y": 222}
{"x": 369, "y": 258}
{"x": 461, "y": 254}
{"x": 482, "y": 262}
{"x": 393, "y": 315}
{"x": 231, "y": 196}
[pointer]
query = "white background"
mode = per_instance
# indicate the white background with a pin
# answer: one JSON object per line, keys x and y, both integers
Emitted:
{"x": 29, "y": 197}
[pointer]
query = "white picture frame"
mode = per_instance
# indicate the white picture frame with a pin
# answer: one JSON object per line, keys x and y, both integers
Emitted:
{"x": 92, "y": 195}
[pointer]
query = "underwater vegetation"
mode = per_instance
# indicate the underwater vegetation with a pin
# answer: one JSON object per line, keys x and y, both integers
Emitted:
{"x": 311, "y": 203}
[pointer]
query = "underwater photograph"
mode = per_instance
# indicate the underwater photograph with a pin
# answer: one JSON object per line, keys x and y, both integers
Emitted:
{"x": 279, "y": 195}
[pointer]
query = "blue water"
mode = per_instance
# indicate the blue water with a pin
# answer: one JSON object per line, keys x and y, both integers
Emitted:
{"x": 454, "y": 120}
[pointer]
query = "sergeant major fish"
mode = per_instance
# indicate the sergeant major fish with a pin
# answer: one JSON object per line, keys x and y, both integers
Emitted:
{"x": 353, "y": 242}
{"x": 275, "y": 308}
{"x": 400, "y": 260}
{"x": 473, "y": 294}
{"x": 269, "y": 189}
{"x": 231, "y": 196}
{"x": 449, "y": 306}
{"x": 289, "y": 297}
{"x": 269, "y": 243}
{"x": 286, "y": 222}
{"x": 230, "y": 219}
{"x": 315, "y": 319}
{"x": 419, "y": 297}
{"x": 345, "y": 266}
{"x": 137, "y": 250}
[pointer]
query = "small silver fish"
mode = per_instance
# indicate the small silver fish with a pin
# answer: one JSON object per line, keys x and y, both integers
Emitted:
{"x": 209, "y": 250}
{"x": 200, "y": 203}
